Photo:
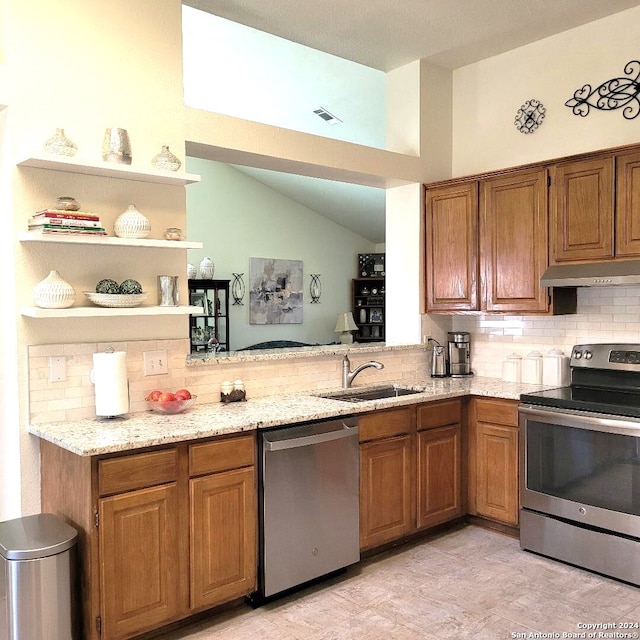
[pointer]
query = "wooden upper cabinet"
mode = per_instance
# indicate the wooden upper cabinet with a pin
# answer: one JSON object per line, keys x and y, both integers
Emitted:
{"x": 451, "y": 242}
{"x": 582, "y": 201}
{"x": 628, "y": 205}
{"x": 513, "y": 241}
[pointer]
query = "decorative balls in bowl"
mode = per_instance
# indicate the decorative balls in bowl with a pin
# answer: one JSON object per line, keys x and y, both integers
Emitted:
{"x": 168, "y": 402}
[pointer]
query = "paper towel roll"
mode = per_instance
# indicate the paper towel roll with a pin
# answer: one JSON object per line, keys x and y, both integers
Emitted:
{"x": 112, "y": 387}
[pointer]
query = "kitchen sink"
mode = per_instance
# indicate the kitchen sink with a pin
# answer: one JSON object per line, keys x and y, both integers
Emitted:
{"x": 371, "y": 394}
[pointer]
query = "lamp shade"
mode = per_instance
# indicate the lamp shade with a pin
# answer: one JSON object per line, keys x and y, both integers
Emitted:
{"x": 346, "y": 322}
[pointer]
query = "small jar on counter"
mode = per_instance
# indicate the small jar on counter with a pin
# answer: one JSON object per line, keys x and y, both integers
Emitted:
{"x": 512, "y": 368}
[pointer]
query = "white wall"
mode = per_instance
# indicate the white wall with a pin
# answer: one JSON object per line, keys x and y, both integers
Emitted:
{"x": 282, "y": 82}
{"x": 487, "y": 95}
{"x": 238, "y": 217}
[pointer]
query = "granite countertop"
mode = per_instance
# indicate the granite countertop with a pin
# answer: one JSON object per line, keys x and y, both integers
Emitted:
{"x": 97, "y": 436}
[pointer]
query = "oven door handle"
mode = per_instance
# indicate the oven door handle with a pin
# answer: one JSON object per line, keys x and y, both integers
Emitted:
{"x": 582, "y": 420}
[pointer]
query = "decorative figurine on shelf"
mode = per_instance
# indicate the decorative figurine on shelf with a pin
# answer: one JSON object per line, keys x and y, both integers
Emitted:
{"x": 116, "y": 146}
{"x": 54, "y": 293}
{"x": 166, "y": 160}
{"x": 132, "y": 224}
{"x": 59, "y": 145}
{"x": 207, "y": 269}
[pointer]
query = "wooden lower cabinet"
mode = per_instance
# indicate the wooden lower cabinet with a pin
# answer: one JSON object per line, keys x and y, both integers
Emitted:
{"x": 410, "y": 470}
{"x": 140, "y": 561}
{"x": 493, "y": 460}
{"x": 386, "y": 510}
{"x": 163, "y": 534}
{"x": 439, "y": 471}
{"x": 223, "y": 537}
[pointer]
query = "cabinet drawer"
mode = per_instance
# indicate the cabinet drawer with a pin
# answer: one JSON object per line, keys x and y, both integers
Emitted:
{"x": 439, "y": 414}
{"x": 497, "y": 411}
{"x": 126, "y": 473}
{"x": 221, "y": 455}
{"x": 384, "y": 424}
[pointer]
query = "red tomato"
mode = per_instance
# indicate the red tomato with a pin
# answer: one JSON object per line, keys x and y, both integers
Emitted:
{"x": 182, "y": 394}
{"x": 154, "y": 395}
{"x": 166, "y": 396}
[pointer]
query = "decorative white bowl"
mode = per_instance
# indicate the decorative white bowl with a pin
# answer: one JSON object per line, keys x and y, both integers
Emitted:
{"x": 172, "y": 406}
{"x": 116, "y": 300}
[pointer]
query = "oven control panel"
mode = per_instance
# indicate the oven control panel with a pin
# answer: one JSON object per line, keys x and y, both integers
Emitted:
{"x": 606, "y": 356}
{"x": 625, "y": 357}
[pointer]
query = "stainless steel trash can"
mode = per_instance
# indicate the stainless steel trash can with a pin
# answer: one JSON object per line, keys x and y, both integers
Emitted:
{"x": 35, "y": 578}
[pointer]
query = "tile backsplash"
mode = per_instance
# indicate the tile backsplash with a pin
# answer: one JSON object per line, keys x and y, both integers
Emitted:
{"x": 74, "y": 398}
{"x": 604, "y": 314}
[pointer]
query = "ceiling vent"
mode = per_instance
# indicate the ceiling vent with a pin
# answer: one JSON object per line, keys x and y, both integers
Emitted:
{"x": 326, "y": 116}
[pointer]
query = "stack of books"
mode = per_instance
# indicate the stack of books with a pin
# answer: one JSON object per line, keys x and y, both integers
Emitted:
{"x": 53, "y": 221}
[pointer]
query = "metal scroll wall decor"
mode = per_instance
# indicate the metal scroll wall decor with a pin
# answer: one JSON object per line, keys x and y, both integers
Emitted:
{"x": 617, "y": 93}
{"x": 315, "y": 288}
{"x": 530, "y": 116}
{"x": 237, "y": 288}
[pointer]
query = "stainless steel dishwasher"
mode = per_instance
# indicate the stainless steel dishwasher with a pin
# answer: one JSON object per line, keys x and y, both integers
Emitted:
{"x": 309, "y": 513}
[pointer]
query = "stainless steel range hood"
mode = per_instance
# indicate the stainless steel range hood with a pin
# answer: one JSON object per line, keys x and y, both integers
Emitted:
{"x": 601, "y": 274}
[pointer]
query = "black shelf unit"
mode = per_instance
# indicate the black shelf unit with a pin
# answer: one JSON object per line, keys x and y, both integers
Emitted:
{"x": 213, "y": 296}
{"x": 369, "y": 309}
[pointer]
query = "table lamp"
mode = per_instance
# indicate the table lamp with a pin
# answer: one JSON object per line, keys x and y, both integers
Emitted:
{"x": 344, "y": 326}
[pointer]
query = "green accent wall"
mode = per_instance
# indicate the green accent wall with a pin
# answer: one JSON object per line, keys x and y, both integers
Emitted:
{"x": 237, "y": 218}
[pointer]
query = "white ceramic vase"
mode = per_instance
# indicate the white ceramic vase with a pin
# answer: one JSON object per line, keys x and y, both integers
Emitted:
{"x": 59, "y": 145}
{"x": 166, "y": 160}
{"x": 207, "y": 269}
{"x": 192, "y": 272}
{"x": 132, "y": 224}
{"x": 54, "y": 293}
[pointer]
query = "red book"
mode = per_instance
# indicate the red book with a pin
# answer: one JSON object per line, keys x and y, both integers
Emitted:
{"x": 72, "y": 215}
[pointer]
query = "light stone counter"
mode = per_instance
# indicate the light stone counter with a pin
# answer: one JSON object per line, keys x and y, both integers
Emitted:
{"x": 137, "y": 430}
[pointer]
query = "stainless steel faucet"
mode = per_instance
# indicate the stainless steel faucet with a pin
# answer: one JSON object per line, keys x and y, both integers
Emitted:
{"x": 348, "y": 375}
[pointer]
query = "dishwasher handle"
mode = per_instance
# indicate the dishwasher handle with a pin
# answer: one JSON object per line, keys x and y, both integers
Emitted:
{"x": 306, "y": 441}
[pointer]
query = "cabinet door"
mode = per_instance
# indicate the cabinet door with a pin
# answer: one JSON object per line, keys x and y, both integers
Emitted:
{"x": 223, "y": 537}
{"x": 628, "y": 205}
{"x": 513, "y": 242}
{"x": 438, "y": 475}
{"x": 451, "y": 228}
{"x": 139, "y": 561}
{"x": 497, "y": 472}
{"x": 582, "y": 210}
{"x": 385, "y": 491}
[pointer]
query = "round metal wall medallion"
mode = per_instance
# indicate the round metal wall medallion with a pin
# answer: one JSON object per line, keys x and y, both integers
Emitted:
{"x": 529, "y": 116}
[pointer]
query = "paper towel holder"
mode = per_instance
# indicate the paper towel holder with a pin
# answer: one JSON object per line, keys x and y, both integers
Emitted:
{"x": 92, "y": 377}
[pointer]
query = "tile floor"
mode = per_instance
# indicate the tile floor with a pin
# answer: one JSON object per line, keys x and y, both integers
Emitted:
{"x": 468, "y": 583}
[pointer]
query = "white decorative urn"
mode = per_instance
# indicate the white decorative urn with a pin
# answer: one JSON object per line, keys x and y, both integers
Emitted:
{"x": 207, "y": 269}
{"x": 132, "y": 224}
{"x": 54, "y": 293}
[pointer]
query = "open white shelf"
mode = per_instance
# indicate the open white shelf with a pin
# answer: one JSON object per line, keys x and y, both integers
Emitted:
{"x": 111, "y": 241}
{"x": 95, "y": 312}
{"x": 107, "y": 169}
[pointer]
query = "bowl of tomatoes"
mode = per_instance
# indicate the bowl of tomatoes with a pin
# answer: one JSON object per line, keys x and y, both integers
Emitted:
{"x": 170, "y": 402}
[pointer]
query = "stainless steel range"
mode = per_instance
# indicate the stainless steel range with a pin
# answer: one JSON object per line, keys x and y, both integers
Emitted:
{"x": 580, "y": 464}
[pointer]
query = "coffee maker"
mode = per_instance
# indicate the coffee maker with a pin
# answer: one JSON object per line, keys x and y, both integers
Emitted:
{"x": 459, "y": 354}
